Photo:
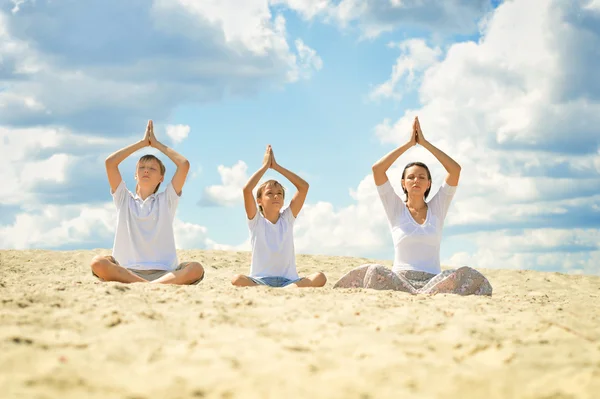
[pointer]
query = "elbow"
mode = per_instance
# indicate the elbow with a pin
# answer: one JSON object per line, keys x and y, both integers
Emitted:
{"x": 305, "y": 187}
{"x": 109, "y": 161}
{"x": 375, "y": 167}
{"x": 184, "y": 165}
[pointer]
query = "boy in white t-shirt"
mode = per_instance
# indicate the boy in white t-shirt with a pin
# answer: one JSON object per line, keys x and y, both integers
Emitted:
{"x": 272, "y": 231}
{"x": 416, "y": 228}
{"x": 144, "y": 246}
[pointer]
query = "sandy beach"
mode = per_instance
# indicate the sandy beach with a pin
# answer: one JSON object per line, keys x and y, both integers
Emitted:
{"x": 63, "y": 334}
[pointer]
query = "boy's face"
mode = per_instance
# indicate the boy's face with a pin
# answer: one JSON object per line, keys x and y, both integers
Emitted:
{"x": 148, "y": 174}
{"x": 272, "y": 197}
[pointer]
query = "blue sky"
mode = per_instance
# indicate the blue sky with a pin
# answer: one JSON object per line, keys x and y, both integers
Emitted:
{"x": 508, "y": 89}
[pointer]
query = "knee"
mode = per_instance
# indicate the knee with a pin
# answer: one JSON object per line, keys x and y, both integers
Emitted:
{"x": 376, "y": 268}
{"x": 319, "y": 279}
{"x": 238, "y": 280}
{"x": 99, "y": 265}
{"x": 466, "y": 270}
{"x": 196, "y": 270}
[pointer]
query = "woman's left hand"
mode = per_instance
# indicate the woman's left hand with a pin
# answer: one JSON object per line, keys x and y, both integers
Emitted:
{"x": 420, "y": 138}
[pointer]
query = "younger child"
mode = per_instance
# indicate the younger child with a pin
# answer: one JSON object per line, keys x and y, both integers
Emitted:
{"x": 272, "y": 231}
{"x": 144, "y": 247}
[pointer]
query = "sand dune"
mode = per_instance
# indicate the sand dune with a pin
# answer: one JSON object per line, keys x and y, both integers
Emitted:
{"x": 63, "y": 334}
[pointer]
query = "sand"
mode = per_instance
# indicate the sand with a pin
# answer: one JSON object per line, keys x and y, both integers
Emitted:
{"x": 63, "y": 334}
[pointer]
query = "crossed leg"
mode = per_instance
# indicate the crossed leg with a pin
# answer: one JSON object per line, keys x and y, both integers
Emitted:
{"x": 187, "y": 273}
{"x": 374, "y": 276}
{"x": 107, "y": 268}
{"x": 314, "y": 280}
{"x": 462, "y": 281}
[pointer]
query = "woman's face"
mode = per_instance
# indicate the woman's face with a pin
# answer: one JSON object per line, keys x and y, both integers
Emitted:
{"x": 416, "y": 180}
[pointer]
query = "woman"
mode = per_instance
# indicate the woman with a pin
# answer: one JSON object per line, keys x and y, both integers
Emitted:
{"x": 416, "y": 228}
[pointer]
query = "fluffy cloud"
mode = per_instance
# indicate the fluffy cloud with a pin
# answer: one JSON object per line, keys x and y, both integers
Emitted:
{"x": 228, "y": 193}
{"x": 574, "y": 250}
{"x": 178, "y": 133}
{"x": 54, "y": 226}
{"x": 374, "y": 17}
{"x": 77, "y": 226}
{"x": 78, "y": 80}
{"x": 105, "y": 66}
{"x": 416, "y": 56}
{"x": 526, "y": 138}
{"x": 528, "y": 196}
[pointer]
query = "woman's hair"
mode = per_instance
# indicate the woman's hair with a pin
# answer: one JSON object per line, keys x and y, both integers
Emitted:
{"x": 150, "y": 157}
{"x": 421, "y": 164}
{"x": 262, "y": 188}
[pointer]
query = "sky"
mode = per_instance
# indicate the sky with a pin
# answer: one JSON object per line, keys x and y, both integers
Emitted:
{"x": 509, "y": 89}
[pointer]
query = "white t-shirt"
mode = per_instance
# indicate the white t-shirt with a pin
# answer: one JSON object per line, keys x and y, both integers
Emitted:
{"x": 144, "y": 239}
{"x": 416, "y": 247}
{"x": 273, "y": 252}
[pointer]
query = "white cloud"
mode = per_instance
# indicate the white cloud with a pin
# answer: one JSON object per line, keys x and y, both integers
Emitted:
{"x": 308, "y": 59}
{"x": 57, "y": 226}
{"x": 178, "y": 133}
{"x": 156, "y": 56}
{"x": 38, "y": 163}
{"x": 574, "y": 250}
{"x": 51, "y": 226}
{"x": 229, "y": 193}
{"x": 307, "y": 8}
{"x": 593, "y": 5}
{"x": 193, "y": 236}
{"x": 527, "y": 143}
{"x": 17, "y": 5}
{"x": 377, "y": 16}
{"x": 415, "y": 57}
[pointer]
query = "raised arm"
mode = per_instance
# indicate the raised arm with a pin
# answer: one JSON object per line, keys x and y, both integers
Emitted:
{"x": 451, "y": 166}
{"x": 380, "y": 167}
{"x": 113, "y": 160}
{"x": 301, "y": 186}
{"x": 183, "y": 165}
{"x": 249, "y": 202}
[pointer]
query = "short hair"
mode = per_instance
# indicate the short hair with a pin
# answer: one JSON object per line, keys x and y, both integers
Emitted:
{"x": 262, "y": 187}
{"x": 150, "y": 157}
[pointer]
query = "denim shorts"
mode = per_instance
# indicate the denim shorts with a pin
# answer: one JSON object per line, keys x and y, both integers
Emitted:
{"x": 274, "y": 281}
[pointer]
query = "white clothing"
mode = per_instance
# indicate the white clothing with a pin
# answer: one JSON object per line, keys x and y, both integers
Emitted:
{"x": 273, "y": 253}
{"x": 144, "y": 239}
{"x": 416, "y": 247}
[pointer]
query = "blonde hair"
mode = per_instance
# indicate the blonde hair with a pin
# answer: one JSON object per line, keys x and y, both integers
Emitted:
{"x": 262, "y": 188}
{"x": 150, "y": 157}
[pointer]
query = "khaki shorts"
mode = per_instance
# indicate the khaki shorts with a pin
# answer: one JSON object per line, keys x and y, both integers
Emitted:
{"x": 151, "y": 275}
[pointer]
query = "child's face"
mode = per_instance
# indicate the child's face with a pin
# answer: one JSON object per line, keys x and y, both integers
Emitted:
{"x": 148, "y": 174}
{"x": 271, "y": 198}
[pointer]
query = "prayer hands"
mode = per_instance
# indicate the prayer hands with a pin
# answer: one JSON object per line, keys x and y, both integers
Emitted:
{"x": 418, "y": 133}
{"x": 268, "y": 157}
{"x": 149, "y": 137}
